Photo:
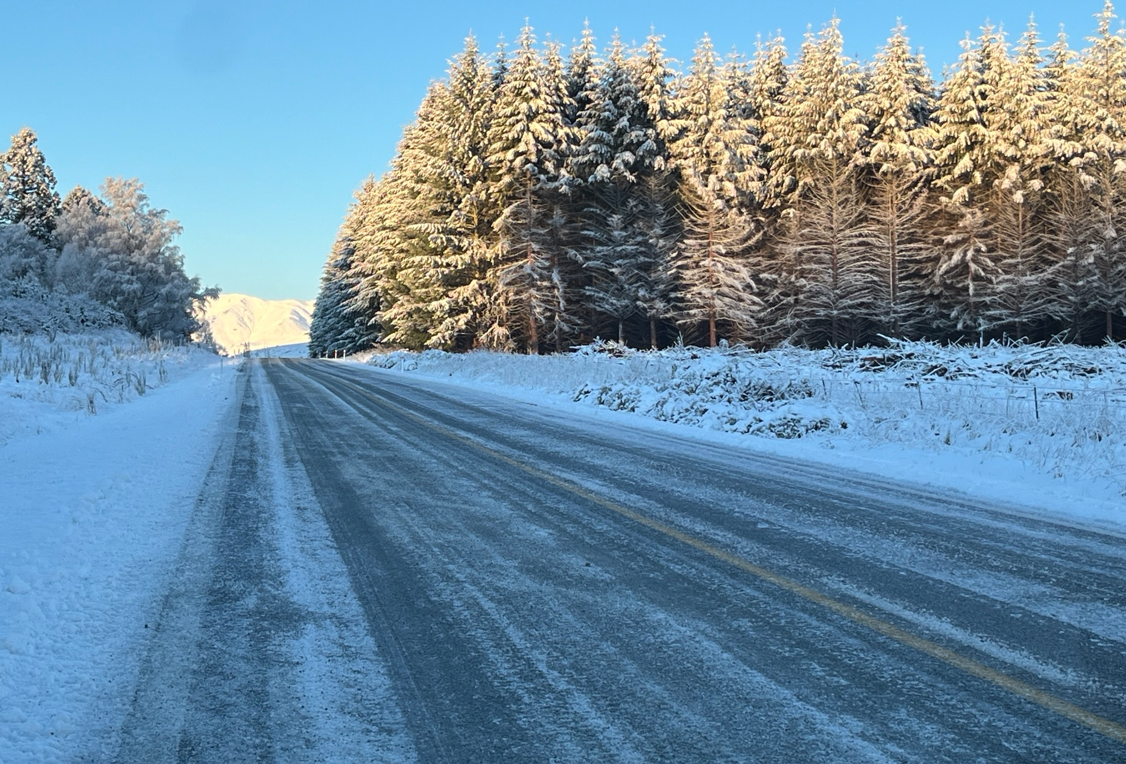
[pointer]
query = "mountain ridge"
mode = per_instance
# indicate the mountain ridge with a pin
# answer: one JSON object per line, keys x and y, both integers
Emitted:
{"x": 240, "y": 321}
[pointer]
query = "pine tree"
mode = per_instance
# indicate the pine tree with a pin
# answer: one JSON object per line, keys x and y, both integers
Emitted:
{"x": 616, "y": 153}
{"x": 1069, "y": 272}
{"x": 712, "y": 154}
{"x": 898, "y": 105}
{"x": 342, "y": 315}
{"x": 829, "y": 285}
{"x": 969, "y": 161}
{"x": 29, "y": 195}
{"x": 529, "y": 141}
{"x": 653, "y": 195}
{"x": 425, "y": 201}
{"x": 1101, "y": 83}
{"x": 1017, "y": 209}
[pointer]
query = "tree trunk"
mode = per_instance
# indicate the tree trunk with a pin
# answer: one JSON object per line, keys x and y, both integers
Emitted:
{"x": 652, "y": 332}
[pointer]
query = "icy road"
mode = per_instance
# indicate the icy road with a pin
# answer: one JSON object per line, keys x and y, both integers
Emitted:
{"x": 383, "y": 569}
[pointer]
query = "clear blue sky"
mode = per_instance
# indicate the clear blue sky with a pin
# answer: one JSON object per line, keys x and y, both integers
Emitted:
{"x": 253, "y": 122}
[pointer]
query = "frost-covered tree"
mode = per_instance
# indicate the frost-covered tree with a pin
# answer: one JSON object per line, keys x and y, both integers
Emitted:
{"x": 898, "y": 104}
{"x": 80, "y": 233}
{"x": 582, "y": 75}
{"x": 615, "y": 157}
{"x": 342, "y": 316}
{"x": 1069, "y": 272}
{"x": 141, "y": 272}
{"x": 419, "y": 202}
{"x": 444, "y": 205}
{"x": 969, "y": 162}
{"x": 29, "y": 195}
{"x": 529, "y": 140}
{"x": 1101, "y": 88}
{"x": 653, "y": 196}
{"x": 1020, "y": 87}
{"x": 712, "y": 154}
{"x": 23, "y": 256}
{"x": 829, "y": 282}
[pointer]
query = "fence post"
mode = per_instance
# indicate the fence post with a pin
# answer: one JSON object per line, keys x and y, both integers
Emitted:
{"x": 1036, "y": 402}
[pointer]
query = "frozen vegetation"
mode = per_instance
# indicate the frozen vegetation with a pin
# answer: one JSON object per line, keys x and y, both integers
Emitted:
{"x": 47, "y": 380}
{"x": 1055, "y": 412}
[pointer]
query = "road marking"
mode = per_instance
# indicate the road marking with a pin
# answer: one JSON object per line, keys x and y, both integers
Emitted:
{"x": 1099, "y": 724}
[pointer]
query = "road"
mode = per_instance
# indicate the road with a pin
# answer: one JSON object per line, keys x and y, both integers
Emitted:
{"x": 386, "y": 569}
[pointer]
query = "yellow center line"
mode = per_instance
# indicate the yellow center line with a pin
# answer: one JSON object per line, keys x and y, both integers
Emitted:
{"x": 1099, "y": 724}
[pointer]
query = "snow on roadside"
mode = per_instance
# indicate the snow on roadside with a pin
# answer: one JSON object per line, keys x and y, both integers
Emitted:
{"x": 48, "y": 382}
{"x": 1040, "y": 427}
{"x": 92, "y": 509}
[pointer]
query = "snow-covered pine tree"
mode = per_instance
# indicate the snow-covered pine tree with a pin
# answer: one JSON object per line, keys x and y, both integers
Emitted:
{"x": 342, "y": 318}
{"x": 528, "y": 144}
{"x": 712, "y": 157}
{"x": 830, "y": 280}
{"x": 564, "y": 320}
{"x": 767, "y": 88}
{"x": 1019, "y": 87}
{"x": 614, "y": 154}
{"x": 28, "y": 183}
{"x": 380, "y": 241}
{"x": 425, "y": 200}
{"x": 582, "y": 75}
{"x": 458, "y": 264}
{"x": 1069, "y": 265}
{"x": 898, "y": 104}
{"x": 969, "y": 161}
{"x": 1101, "y": 85}
{"x": 653, "y": 194}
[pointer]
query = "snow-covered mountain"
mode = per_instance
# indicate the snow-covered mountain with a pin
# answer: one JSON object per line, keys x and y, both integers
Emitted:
{"x": 239, "y": 320}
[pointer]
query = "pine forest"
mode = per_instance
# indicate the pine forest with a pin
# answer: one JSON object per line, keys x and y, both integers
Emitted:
{"x": 544, "y": 197}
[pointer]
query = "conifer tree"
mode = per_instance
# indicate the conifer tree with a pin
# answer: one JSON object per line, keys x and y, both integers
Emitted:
{"x": 1069, "y": 271}
{"x": 1021, "y": 124}
{"x": 425, "y": 201}
{"x": 528, "y": 141}
{"x": 1101, "y": 84}
{"x": 29, "y": 195}
{"x": 969, "y": 162}
{"x": 615, "y": 153}
{"x": 829, "y": 285}
{"x": 654, "y": 195}
{"x": 712, "y": 152}
{"x": 462, "y": 209}
{"x": 898, "y": 104}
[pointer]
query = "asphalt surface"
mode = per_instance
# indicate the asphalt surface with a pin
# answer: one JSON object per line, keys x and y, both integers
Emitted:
{"x": 529, "y": 585}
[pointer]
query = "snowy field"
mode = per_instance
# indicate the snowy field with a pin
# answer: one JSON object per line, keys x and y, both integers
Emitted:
{"x": 1043, "y": 428}
{"x": 94, "y": 497}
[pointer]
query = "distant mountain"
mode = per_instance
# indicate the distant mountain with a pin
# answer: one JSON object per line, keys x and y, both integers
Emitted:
{"x": 239, "y": 320}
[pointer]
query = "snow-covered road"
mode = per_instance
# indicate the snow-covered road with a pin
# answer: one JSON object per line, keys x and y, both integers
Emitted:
{"x": 550, "y": 588}
{"x": 386, "y": 568}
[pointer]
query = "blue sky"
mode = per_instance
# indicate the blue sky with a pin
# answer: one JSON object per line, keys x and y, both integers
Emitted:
{"x": 252, "y": 122}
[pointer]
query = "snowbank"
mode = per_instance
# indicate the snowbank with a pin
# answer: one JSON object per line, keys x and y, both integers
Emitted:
{"x": 92, "y": 508}
{"x": 1044, "y": 427}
